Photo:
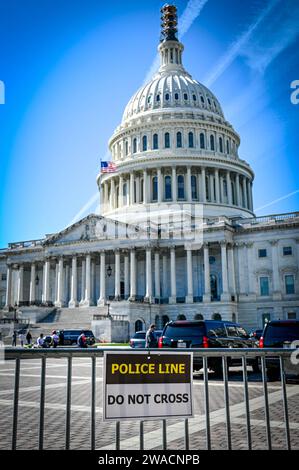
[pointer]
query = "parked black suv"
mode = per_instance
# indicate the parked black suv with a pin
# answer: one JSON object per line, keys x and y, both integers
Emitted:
{"x": 208, "y": 334}
{"x": 279, "y": 334}
{"x": 71, "y": 336}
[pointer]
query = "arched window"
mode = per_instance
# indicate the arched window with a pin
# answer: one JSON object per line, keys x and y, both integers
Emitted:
{"x": 202, "y": 141}
{"x": 194, "y": 97}
{"x": 216, "y": 316}
{"x": 126, "y": 148}
{"x": 176, "y": 96}
{"x": 134, "y": 145}
{"x": 168, "y": 187}
{"x": 198, "y": 316}
{"x": 155, "y": 142}
{"x": 207, "y": 188}
{"x": 125, "y": 190}
{"x": 185, "y": 96}
{"x": 144, "y": 143}
{"x": 167, "y": 140}
{"x": 181, "y": 187}
{"x": 194, "y": 186}
{"x": 179, "y": 139}
{"x": 181, "y": 317}
{"x": 191, "y": 139}
{"x": 202, "y": 100}
{"x": 224, "y": 188}
{"x": 158, "y": 98}
{"x": 138, "y": 325}
{"x": 167, "y": 97}
{"x": 221, "y": 144}
{"x": 227, "y": 147}
{"x": 212, "y": 142}
{"x": 155, "y": 188}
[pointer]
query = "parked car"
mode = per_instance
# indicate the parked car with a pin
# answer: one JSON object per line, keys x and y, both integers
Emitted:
{"x": 208, "y": 334}
{"x": 138, "y": 339}
{"x": 279, "y": 334}
{"x": 71, "y": 337}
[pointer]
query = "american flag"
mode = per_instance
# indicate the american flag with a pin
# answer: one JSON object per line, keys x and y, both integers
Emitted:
{"x": 108, "y": 167}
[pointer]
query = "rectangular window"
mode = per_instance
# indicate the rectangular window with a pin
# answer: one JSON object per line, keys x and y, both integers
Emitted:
{"x": 263, "y": 253}
{"x": 264, "y": 285}
{"x": 291, "y": 315}
{"x": 3, "y": 277}
{"x": 287, "y": 250}
{"x": 290, "y": 284}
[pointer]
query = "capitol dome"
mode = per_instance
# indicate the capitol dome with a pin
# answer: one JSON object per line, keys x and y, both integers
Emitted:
{"x": 174, "y": 146}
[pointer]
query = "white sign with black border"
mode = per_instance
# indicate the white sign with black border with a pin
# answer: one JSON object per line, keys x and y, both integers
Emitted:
{"x": 142, "y": 385}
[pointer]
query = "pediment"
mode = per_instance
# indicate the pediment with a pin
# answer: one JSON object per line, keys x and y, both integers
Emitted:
{"x": 94, "y": 227}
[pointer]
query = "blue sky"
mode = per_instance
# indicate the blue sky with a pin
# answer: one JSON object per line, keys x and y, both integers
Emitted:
{"x": 70, "y": 67}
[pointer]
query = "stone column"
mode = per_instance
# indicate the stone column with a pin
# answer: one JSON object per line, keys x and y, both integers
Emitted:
{"x": 157, "y": 275}
{"x": 127, "y": 275}
{"x": 137, "y": 190}
{"x": 229, "y": 188}
{"x": 20, "y": 292}
{"x": 8, "y": 301}
{"x": 225, "y": 293}
{"x": 66, "y": 283}
{"x": 189, "y": 297}
{"x": 102, "y": 297}
{"x": 238, "y": 201}
{"x": 188, "y": 185}
{"x": 174, "y": 186}
{"x": 231, "y": 270}
{"x": 250, "y": 202}
{"x": 46, "y": 282}
{"x": 145, "y": 187}
{"x": 106, "y": 195}
{"x": 120, "y": 192}
{"x": 207, "y": 291}
{"x": 73, "y": 300}
{"x": 221, "y": 191}
{"x": 275, "y": 271}
{"x": 117, "y": 275}
{"x": 87, "y": 297}
{"x": 93, "y": 277}
{"x": 245, "y": 200}
{"x": 250, "y": 258}
{"x": 203, "y": 185}
{"x": 83, "y": 277}
{"x": 32, "y": 290}
{"x": 172, "y": 298}
{"x": 112, "y": 194}
{"x": 211, "y": 185}
{"x": 160, "y": 185}
{"x": 132, "y": 199}
{"x": 242, "y": 268}
{"x": 59, "y": 297}
{"x": 133, "y": 286}
{"x": 164, "y": 275}
{"x": 217, "y": 186}
{"x": 149, "y": 289}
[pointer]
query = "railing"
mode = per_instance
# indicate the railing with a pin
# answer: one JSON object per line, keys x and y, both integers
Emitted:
{"x": 206, "y": 354}
{"x": 273, "y": 218}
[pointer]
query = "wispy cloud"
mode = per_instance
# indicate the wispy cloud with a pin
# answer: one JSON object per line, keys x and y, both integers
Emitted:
{"x": 277, "y": 34}
{"x": 186, "y": 20}
{"x": 238, "y": 46}
{"x": 277, "y": 200}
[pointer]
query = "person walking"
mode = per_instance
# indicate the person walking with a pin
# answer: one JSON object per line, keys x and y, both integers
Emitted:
{"x": 14, "y": 339}
{"x": 55, "y": 339}
{"x": 28, "y": 337}
{"x": 61, "y": 338}
{"x": 150, "y": 337}
{"x": 81, "y": 341}
{"x": 22, "y": 338}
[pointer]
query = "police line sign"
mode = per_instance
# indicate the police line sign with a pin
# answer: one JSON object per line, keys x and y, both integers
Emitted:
{"x": 141, "y": 385}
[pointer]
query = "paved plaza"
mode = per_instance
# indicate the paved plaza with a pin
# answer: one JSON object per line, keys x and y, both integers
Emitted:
{"x": 55, "y": 411}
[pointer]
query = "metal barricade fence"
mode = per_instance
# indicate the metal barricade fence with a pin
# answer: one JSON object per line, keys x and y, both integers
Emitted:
{"x": 18, "y": 354}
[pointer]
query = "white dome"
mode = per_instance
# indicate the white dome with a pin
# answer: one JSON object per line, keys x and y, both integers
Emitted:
{"x": 172, "y": 89}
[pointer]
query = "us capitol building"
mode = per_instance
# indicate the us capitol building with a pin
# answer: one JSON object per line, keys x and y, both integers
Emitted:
{"x": 177, "y": 237}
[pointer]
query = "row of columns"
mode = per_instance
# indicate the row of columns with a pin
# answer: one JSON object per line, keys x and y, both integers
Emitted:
{"x": 209, "y": 188}
{"x": 152, "y": 283}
